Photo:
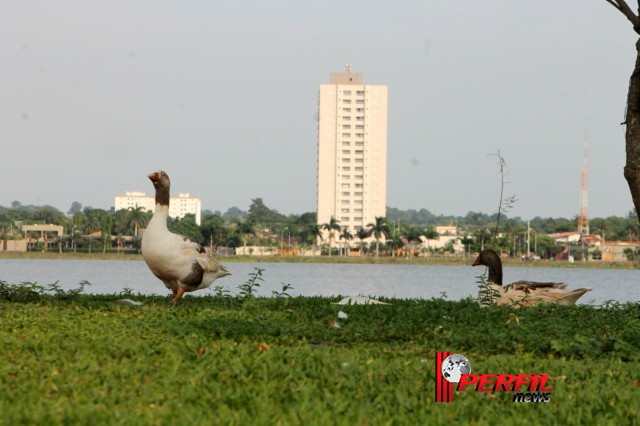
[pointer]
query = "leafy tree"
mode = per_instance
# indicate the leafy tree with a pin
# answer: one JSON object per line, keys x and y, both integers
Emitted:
{"x": 260, "y": 213}
{"x": 244, "y": 229}
{"x": 213, "y": 229}
{"x": 378, "y": 230}
{"x": 413, "y": 235}
{"x": 482, "y": 238}
{"x": 234, "y": 214}
{"x": 188, "y": 227}
{"x": 431, "y": 234}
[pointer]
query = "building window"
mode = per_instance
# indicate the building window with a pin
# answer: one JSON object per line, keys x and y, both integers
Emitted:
{"x": 345, "y": 202}
{"x": 359, "y": 101}
{"x": 358, "y": 194}
{"x": 359, "y": 151}
{"x": 358, "y": 202}
{"x": 346, "y": 168}
{"x": 359, "y": 169}
{"x": 346, "y": 160}
{"x": 359, "y": 160}
{"x": 346, "y": 126}
{"x": 358, "y": 185}
{"x": 346, "y": 101}
{"x": 346, "y": 135}
{"x": 345, "y": 185}
{"x": 360, "y": 92}
{"x": 346, "y": 194}
{"x": 359, "y": 143}
{"x": 359, "y": 126}
{"x": 346, "y": 152}
{"x": 346, "y": 109}
{"x": 347, "y": 92}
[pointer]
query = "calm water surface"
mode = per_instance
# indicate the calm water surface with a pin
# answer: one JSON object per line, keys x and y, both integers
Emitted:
{"x": 401, "y": 281}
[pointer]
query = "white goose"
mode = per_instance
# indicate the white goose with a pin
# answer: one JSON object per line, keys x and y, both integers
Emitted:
{"x": 523, "y": 293}
{"x": 181, "y": 264}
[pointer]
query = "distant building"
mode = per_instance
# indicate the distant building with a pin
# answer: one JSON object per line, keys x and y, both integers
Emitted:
{"x": 352, "y": 151}
{"x": 179, "y": 206}
{"x": 42, "y": 228}
{"x": 447, "y": 235}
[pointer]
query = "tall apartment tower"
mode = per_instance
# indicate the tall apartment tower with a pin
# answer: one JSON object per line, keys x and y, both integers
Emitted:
{"x": 352, "y": 151}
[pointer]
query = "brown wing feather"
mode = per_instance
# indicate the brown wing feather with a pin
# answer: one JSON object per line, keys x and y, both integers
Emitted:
{"x": 532, "y": 285}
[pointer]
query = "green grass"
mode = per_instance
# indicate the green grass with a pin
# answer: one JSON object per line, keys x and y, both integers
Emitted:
{"x": 70, "y": 358}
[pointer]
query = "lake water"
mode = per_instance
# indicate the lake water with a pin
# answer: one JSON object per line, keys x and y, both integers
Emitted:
{"x": 401, "y": 281}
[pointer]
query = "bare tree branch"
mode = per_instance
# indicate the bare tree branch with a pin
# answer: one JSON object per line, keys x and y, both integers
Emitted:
{"x": 624, "y": 8}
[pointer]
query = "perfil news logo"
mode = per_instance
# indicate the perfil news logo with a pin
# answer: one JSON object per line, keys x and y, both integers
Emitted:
{"x": 453, "y": 368}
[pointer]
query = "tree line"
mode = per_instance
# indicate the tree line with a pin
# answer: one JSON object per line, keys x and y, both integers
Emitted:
{"x": 87, "y": 228}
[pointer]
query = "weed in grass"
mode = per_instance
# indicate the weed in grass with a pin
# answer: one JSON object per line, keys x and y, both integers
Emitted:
{"x": 221, "y": 291}
{"x": 30, "y": 292}
{"x": 249, "y": 288}
{"x": 283, "y": 293}
{"x": 487, "y": 294}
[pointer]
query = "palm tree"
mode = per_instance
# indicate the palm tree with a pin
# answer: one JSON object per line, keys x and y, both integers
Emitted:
{"x": 413, "y": 235}
{"x": 346, "y": 236}
{"x": 333, "y": 225}
{"x": 315, "y": 232}
{"x": 395, "y": 243}
{"x": 378, "y": 230}
{"x": 138, "y": 218}
{"x": 362, "y": 234}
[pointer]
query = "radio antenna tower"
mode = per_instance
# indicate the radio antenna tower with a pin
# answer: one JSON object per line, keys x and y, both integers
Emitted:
{"x": 583, "y": 220}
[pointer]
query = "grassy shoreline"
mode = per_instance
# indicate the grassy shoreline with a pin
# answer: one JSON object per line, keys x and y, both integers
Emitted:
{"x": 433, "y": 260}
{"x": 213, "y": 360}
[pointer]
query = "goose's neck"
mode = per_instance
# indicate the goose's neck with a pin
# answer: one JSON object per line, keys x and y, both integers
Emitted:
{"x": 160, "y": 216}
{"x": 162, "y": 196}
{"x": 495, "y": 273}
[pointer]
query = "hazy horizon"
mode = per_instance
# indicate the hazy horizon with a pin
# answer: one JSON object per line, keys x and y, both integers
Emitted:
{"x": 223, "y": 97}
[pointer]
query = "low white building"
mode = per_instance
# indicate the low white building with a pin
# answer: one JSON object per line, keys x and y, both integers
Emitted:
{"x": 446, "y": 235}
{"x": 179, "y": 206}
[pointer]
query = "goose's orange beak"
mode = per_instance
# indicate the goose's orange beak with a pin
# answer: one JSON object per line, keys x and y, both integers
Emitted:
{"x": 155, "y": 177}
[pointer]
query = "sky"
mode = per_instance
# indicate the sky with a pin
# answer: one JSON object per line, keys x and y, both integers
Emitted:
{"x": 95, "y": 95}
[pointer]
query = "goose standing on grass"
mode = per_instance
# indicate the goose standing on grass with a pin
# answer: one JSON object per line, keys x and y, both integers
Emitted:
{"x": 523, "y": 293}
{"x": 181, "y": 264}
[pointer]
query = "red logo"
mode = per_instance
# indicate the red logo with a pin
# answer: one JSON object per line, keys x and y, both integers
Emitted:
{"x": 453, "y": 368}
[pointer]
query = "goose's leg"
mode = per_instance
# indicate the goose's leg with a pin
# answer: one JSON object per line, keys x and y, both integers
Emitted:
{"x": 177, "y": 295}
